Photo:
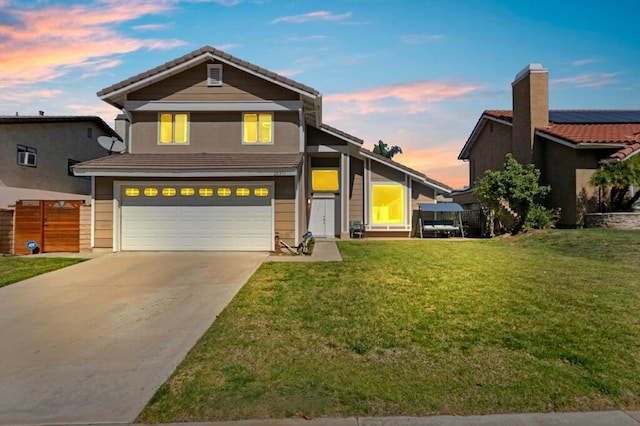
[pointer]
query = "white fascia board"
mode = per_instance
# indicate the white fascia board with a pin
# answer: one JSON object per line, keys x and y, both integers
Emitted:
{"x": 579, "y": 145}
{"x": 195, "y": 173}
{"x": 159, "y": 106}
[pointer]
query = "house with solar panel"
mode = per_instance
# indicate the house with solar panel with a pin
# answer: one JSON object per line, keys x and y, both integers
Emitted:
{"x": 222, "y": 154}
{"x": 567, "y": 146}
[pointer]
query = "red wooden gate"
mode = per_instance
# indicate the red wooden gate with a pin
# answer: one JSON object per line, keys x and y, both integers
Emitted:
{"x": 53, "y": 225}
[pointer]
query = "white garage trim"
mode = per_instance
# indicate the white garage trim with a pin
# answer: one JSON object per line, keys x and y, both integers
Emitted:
{"x": 178, "y": 222}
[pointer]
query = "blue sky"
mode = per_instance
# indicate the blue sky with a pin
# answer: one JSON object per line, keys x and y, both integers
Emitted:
{"x": 414, "y": 73}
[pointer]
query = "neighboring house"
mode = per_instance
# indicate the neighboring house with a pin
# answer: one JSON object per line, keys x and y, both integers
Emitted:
{"x": 566, "y": 145}
{"x": 225, "y": 155}
{"x": 37, "y": 152}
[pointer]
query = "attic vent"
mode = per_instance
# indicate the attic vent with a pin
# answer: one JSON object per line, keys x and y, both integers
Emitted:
{"x": 214, "y": 75}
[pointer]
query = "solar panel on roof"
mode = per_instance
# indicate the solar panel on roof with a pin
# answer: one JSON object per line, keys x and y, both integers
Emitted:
{"x": 594, "y": 117}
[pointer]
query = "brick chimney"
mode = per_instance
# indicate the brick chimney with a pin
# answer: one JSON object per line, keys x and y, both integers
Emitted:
{"x": 530, "y": 109}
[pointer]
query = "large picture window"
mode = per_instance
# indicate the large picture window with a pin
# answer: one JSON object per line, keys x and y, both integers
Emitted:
{"x": 325, "y": 180}
{"x": 387, "y": 204}
{"x": 174, "y": 129}
{"x": 257, "y": 128}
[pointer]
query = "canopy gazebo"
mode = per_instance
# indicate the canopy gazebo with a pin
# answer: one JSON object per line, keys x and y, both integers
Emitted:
{"x": 438, "y": 226}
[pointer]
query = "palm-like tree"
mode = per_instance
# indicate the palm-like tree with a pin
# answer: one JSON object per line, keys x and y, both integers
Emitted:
{"x": 384, "y": 150}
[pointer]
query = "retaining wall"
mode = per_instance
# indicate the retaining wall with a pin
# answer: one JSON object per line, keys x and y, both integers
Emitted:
{"x": 612, "y": 220}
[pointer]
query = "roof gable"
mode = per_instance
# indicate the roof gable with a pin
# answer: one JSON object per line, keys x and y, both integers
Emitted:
{"x": 114, "y": 93}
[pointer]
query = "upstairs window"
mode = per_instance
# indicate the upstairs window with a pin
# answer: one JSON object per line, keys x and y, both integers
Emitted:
{"x": 27, "y": 156}
{"x": 257, "y": 128}
{"x": 173, "y": 129}
{"x": 214, "y": 75}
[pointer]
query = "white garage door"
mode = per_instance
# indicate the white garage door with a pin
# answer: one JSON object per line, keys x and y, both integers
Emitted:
{"x": 197, "y": 217}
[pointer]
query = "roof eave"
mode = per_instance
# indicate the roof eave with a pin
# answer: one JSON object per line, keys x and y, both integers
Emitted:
{"x": 580, "y": 145}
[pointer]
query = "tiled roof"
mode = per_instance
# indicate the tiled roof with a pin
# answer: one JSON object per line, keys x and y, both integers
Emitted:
{"x": 593, "y": 133}
{"x": 589, "y": 132}
{"x": 506, "y": 115}
{"x": 199, "y": 161}
{"x": 26, "y": 119}
{"x": 624, "y": 153}
{"x": 215, "y": 52}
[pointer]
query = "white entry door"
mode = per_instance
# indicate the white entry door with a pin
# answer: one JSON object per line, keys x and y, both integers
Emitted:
{"x": 322, "y": 220}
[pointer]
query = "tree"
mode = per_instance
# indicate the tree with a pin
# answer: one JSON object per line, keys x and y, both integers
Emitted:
{"x": 383, "y": 149}
{"x": 515, "y": 188}
{"x": 617, "y": 178}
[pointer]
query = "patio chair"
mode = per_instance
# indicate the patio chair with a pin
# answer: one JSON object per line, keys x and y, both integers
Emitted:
{"x": 357, "y": 229}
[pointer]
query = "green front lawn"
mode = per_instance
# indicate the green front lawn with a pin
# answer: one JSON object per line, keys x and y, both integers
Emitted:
{"x": 543, "y": 322}
{"x": 14, "y": 269}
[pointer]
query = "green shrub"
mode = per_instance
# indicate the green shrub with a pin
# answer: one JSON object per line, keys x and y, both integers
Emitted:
{"x": 540, "y": 217}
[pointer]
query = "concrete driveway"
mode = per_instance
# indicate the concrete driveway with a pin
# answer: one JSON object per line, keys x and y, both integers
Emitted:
{"x": 91, "y": 343}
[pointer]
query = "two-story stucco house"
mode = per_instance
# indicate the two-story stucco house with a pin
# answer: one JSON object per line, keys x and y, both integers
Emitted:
{"x": 36, "y": 153}
{"x": 225, "y": 155}
{"x": 567, "y": 146}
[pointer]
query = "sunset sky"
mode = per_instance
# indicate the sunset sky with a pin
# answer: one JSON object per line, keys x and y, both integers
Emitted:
{"x": 414, "y": 73}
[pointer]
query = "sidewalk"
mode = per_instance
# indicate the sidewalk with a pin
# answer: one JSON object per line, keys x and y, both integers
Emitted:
{"x": 598, "y": 418}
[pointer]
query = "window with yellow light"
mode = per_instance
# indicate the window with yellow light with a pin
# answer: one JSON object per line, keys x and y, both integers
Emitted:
{"x": 387, "y": 204}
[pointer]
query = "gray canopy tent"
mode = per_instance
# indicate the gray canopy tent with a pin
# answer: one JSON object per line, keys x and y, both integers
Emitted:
{"x": 440, "y": 226}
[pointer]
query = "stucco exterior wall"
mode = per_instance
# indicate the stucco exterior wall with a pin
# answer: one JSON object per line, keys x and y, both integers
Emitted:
{"x": 215, "y": 132}
{"x": 493, "y": 143}
{"x": 56, "y": 143}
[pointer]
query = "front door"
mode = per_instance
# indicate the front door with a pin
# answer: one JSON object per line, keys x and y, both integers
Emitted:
{"x": 322, "y": 218}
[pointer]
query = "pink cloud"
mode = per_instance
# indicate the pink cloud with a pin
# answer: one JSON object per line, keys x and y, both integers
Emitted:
{"x": 439, "y": 164}
{"x": 405, "y": 97}
{"x": 589, "y": 79}
{"x": 28, "y": 95}
{"x": 320, "y": 15}
{"x": 45, "y": 43}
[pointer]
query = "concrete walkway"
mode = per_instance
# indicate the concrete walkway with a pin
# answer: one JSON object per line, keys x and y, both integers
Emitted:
{"x": 599, "y": 418}
{"x": 92, "y": 342}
